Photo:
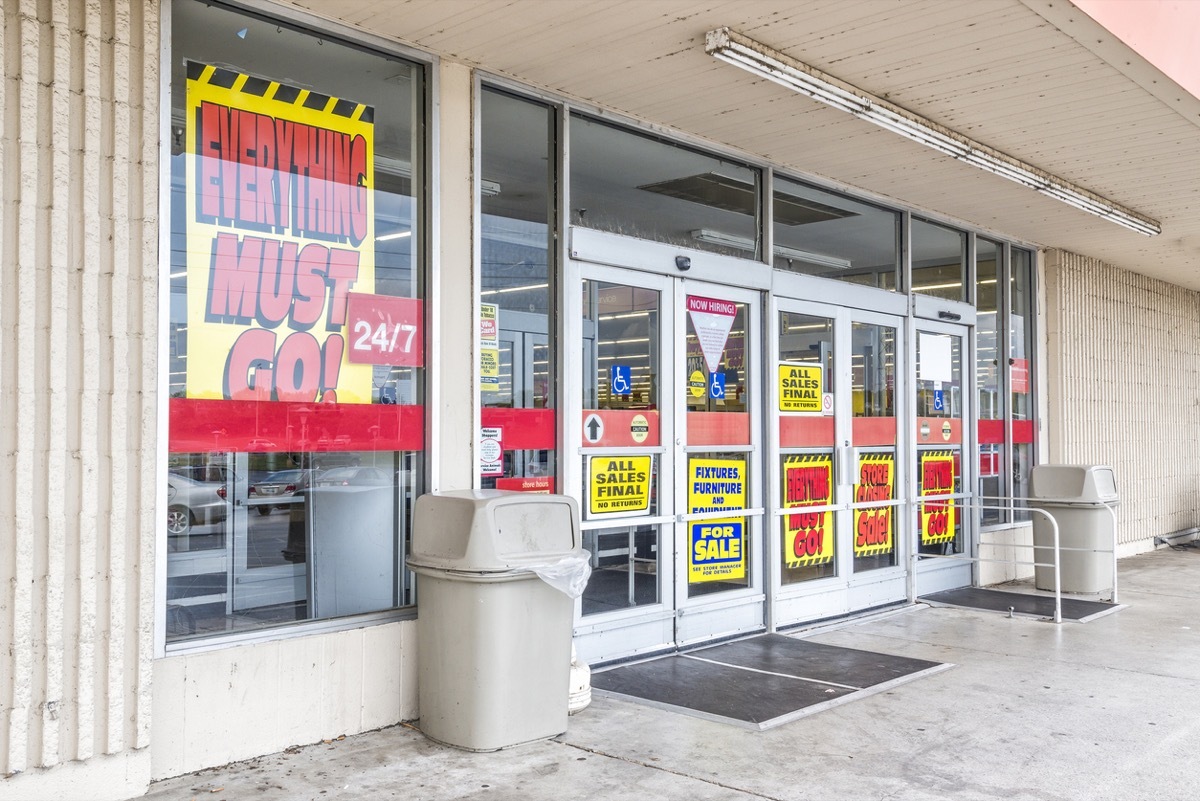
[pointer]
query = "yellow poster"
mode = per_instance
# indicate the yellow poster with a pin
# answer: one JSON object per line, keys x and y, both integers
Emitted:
{"x": 489, "y": 347}
{"x": 808, "y": 536}
{"x": 280, "y": 229}
{"x": 619, "y": 484}
{"x": 717, "y": 548}
{"x": 873, "y": 528}
{"x": 937, "y": 478}
{"x": 800, "y": 388}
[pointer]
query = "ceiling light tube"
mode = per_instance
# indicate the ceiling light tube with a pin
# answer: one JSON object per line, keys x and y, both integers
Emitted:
{"x": 755, "y": 57}
{"x": 741, "y": 243}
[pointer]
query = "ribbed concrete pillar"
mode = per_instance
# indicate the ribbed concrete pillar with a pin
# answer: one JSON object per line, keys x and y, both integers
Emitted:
{"x": 78, "y": 321}
{"x": 1124, "y": 388}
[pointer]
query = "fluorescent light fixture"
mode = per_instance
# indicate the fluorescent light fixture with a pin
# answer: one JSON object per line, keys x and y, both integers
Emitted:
{"x": 741, "y": 243}
{"x": 757, "y": 58}
{"x": 488, "y": 188}
{"x": 393, "y": 235}
{"x": 514, "y": 289}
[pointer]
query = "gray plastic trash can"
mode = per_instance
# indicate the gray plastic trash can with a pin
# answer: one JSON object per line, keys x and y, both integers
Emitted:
{"x": 494, "y": 637}
{"x": 1078, "y": 496}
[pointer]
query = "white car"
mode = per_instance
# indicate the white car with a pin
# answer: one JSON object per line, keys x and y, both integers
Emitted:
{"x": 194, "y": 503}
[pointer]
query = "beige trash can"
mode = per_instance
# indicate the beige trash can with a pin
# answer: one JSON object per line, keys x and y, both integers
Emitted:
{"x": 1078, "y": 497}
{"x": 493, "y": 635}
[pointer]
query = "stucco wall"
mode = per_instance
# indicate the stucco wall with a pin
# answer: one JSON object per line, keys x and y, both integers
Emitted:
{"x": 1123, "y": 389}
{"x": 78, "y": 370}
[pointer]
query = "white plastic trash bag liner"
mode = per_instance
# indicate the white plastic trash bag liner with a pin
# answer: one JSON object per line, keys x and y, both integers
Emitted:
{"x": 568, "y": 575}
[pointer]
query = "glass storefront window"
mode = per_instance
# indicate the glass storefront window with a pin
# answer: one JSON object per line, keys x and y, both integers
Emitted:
{"x": 873, "y": 375}
{"x": 516, "y": 371}
{"x": 639, "y": 185}
{"x": 806, "y": 440}
{"x": 988, "y": 378}
{"x": 297, "y": 383}
{"x": 823, "y": 233}
{"x": 939, "y": 261}
{"x": 1020, "y": 373}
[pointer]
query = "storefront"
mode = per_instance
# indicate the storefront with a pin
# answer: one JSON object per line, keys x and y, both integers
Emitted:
{"x": 783, "y": 390}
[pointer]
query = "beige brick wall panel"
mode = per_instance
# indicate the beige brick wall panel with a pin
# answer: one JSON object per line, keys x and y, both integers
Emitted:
{"x": 78, "y": 380}
{"x": 1124, "y": 388}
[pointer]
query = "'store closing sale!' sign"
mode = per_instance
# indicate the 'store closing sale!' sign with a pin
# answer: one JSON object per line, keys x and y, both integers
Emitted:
{"x": 937, "y": 478}
{"x": 280, "y": 232}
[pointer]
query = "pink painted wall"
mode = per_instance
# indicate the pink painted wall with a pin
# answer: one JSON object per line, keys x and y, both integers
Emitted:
{"x": 1164, "y": 32}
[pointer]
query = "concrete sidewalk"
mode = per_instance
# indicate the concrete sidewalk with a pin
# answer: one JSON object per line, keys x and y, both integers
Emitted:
{"x": 1104, "y": 710}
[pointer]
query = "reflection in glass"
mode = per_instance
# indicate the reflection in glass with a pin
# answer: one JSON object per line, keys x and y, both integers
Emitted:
{"x": 639, "y": 185}
{"x": 620, "y": 338}
{"x": 834, "y": 236}
{"x": 517, "y": 283}
{"x": 939, "y": 440}
{"x": 624, "y": 568}
{"x": 939, "y": 261}
{"x": 252, "y": 546}
{"x": 295, "y": 324}
{"x": 988, "y": 375}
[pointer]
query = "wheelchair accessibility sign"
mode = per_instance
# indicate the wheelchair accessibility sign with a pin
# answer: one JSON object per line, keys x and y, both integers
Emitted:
{"x": 621, "y": 379}
{"x": 716, "y": 386}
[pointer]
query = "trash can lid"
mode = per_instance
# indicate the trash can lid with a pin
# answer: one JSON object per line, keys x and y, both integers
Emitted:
{"x": 1073, "y": 483}
{"x": 493, "y": 530}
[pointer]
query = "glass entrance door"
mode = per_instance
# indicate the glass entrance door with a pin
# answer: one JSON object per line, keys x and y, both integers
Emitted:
{"x": 942, "y": 397}
{"x": 665, "y": 460}
{"x": 838, "y": 508}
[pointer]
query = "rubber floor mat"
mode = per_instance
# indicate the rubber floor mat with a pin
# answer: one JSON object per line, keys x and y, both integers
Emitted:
{"x": 760, "y": 682}
{"x": 1021, "y": 603}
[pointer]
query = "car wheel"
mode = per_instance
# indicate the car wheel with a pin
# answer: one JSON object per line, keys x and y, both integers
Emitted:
{"x": 263, "y": 510}
{"x": 179, "y": 520}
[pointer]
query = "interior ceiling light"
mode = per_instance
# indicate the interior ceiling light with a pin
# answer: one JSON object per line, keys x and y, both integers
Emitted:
{"x": 794, "y": 254}
{"x": 733, "y": 48}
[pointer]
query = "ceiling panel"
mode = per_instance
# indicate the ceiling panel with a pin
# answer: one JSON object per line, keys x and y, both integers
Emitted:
{"x": 1035, "y": 79}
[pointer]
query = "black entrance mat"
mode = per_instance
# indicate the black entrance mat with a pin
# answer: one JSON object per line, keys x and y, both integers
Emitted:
{"x": 1021, "y": 603}
{"x": 761, "y": 682}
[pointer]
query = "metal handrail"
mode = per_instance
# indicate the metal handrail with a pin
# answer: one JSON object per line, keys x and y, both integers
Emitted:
{"x": 964, "y": 557}
{"x": 1112, "y": 510}
{"x": 1057, "y": 549}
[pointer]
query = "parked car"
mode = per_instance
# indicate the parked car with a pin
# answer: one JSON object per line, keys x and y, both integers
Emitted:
{"x": 353, "y": 477}
{"x": 281, "y": 485}
{"x": 191, "y": 503}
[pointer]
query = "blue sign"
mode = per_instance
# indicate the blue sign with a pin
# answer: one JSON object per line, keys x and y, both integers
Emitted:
{"x": 939, "y": 400}
{"x": 621, "y": 379}
{"x": 716, "y": 386}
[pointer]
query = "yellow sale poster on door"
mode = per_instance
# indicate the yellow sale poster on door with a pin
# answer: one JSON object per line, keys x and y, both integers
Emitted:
{"x": 716, "y": 548}
{"x": 280, "y": 230}
{"x": 876, "y": 482}
{"x": 619, "y": 484}
{"x": 937, "y": 478}
{"x": 808, "y": 536}
{"x": 800, "y": 388}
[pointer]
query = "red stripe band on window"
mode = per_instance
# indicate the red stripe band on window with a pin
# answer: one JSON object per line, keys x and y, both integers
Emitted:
{"x": 271, "y": 427}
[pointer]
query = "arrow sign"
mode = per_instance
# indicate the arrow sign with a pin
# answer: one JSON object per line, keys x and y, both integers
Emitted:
{"x": 593, "y": 428}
